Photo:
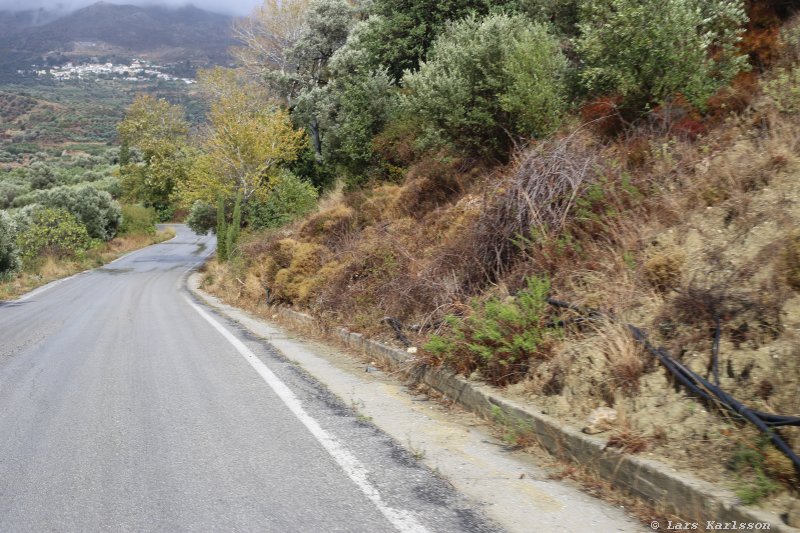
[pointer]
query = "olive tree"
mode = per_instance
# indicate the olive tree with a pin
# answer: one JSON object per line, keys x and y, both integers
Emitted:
{"x": 287, "y": 46}
{"x": 95, "y": 209}
{"x": 9, "y": 252}
{"x": 487, "y": 81}
{"x": 356, "y": 105}
{"x": 648, "y": 51}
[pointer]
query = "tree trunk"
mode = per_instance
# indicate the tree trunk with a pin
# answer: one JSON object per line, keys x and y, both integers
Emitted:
{"x": 316, "y": 138}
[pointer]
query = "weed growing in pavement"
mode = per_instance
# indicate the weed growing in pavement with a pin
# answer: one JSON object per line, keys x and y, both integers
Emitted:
{"x": 516, "y": 433}
{"x": 417, "y": 452}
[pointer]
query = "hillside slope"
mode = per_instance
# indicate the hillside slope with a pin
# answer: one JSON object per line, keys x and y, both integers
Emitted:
{"x": 124, "y": 31}
{"x": 684, "y": 225}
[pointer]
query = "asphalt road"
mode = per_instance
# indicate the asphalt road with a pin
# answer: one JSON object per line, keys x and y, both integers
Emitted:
{"x": 125, "y": 405}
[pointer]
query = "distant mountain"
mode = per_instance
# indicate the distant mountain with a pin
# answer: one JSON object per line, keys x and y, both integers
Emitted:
{"x": 105, "y": 30}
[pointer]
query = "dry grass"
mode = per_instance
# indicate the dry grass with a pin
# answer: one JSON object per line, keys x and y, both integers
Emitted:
{"x": 628, "y": 440}
{"x": 626, "y": 359}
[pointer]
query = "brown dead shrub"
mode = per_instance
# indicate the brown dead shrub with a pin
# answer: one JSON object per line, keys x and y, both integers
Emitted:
{"x": 296, "y": 282}
{"x": 535, "y": 201}
{"x": 628, "y": 440}
{"x": 603, "y": 115}
{"x": 374, "y": 205}
{"x": 435, "y": 182}
{"x": 331, "y": 227}
{"x": 663, "y": 268}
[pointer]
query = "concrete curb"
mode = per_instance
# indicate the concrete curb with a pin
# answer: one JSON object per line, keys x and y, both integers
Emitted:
{"x": 677, "y": 493}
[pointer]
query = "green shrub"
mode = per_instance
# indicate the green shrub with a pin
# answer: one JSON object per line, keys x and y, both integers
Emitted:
{"x": 93, "y": 208}
{"x": 9, "y": 252}
{"x": 137, "y": 219}
{"x": 10, "y": 190}
{"x": 562, "y": 13}
{"x": 753, "y": 484}
{"x": 500, "y": 337}
{"x": 783, "y": 90}
{"x": 648, "y": 51}
{"x": 486, "y": 80}
{"x": 54, "y": 232}
{"x": 789, "y": 40}
{"x": 290, "y": 198}
{"x": 109, "y": 184}
{"x": 23, "y": 218}
{"x": 202, "y": 217}
{"x": 41, "y": 176}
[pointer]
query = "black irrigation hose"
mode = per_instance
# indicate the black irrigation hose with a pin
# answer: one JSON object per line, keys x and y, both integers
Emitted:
{"x": 703, "y": 388}
{"x": 715, "y": 349}
{"x": 397, "y": 326}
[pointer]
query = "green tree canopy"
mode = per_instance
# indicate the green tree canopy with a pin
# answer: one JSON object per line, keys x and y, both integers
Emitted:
{"x": 648, "y": 51}
{"x": 247, "y": 140}
{"x": 487, "y": 81}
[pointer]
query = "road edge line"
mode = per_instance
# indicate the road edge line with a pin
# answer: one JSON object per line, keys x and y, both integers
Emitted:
{"x": 649, "y": 480}
{"x": 403, "y": 521}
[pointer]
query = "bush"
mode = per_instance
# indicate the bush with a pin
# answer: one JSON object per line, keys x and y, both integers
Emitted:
{"x": 290, "y": 198}
{"x": 486, "y": 80}
{"x": 648, "y": 51}
{"x": 358, "y": 102}
{"x": 783, "y": 91}
{"x": 9, "y": 252}
{"x": 54, "y": 232}
{"x": 93, "y": 208}
{"x": 41, "y": 176}
{"x": 10, "y": 191}
{"x": 499, "y": 338}
{"x": 562, "y": 13}
{"x": 202, "y": 217}
{"x": 137, "y": 219}
{"x": 109, "y": 184}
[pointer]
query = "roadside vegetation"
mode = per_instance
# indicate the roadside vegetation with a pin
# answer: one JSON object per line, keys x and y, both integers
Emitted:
{"x": 453, "y": 168}
{"x": 63, "y": 207}
{"x": 62, "y": 214}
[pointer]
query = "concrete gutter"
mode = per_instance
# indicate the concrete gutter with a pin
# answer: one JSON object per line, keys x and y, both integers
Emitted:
{"x": 675, "y": 493}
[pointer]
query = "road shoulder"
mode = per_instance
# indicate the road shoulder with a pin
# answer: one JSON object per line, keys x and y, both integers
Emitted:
{"x": 508, "y": 486}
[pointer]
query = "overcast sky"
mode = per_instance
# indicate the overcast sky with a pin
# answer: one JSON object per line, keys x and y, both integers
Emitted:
{"x": 236, "y": 7}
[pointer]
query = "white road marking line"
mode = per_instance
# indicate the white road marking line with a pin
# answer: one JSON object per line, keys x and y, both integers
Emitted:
{"x": 48, "y": 286}
{"x": 403, "y": 520}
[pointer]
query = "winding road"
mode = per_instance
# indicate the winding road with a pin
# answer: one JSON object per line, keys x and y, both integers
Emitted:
{"x": 126, "y": 405}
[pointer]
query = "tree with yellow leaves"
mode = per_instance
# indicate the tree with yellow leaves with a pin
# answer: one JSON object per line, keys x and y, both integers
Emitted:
{"x": 159, "y": 131}
{"x": 247, "y": 139}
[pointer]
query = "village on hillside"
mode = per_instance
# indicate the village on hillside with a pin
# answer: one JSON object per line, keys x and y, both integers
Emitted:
{"x": 138, "y": 70}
